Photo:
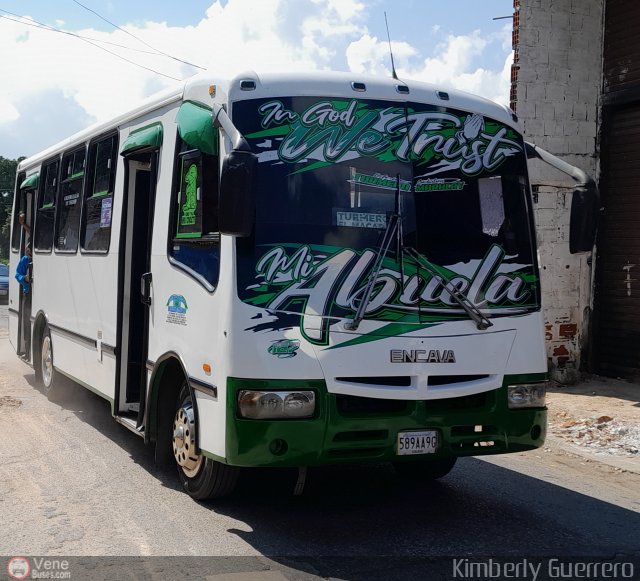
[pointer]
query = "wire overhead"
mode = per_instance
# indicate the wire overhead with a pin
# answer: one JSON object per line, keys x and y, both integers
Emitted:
{"x": 137, "y": 38}
{"x": 92, "y": 42}
{"x": 37, "y": 24}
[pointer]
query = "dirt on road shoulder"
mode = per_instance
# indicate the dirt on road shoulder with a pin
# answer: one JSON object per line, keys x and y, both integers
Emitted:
{"x": 599, "y": 417}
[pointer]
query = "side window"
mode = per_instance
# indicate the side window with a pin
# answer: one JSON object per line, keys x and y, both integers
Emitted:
{"x": 195, "y": 240}
{"x": 46, "y": 207}
{"x": 15, "y": 226}
{"x": 101, "y": 176}
{"x": 190, "y": 196}
{"x": 70, "y": 201}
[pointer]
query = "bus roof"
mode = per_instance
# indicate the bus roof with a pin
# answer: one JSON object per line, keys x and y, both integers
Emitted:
{"x": 251, "y": 85}
{"x": 338, "y": 84}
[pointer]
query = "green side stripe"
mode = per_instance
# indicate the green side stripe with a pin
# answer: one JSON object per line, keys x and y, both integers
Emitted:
{"x": 316, "y": 165}
{"x": 100, "y": 194}
{"x": 273, "y": 132}
{"x": 263, "y": 299}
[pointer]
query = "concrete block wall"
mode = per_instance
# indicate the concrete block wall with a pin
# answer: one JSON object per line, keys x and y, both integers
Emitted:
{"x": 557, "y": 93}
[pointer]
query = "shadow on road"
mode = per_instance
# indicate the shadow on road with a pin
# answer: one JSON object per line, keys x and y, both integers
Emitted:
{"x": 354, "y": 522}
{"x": 95, "y": 411}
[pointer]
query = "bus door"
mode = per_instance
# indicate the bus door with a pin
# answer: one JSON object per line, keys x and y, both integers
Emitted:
{"x": 135, "y": 283}
{"x": 25, "y": 206}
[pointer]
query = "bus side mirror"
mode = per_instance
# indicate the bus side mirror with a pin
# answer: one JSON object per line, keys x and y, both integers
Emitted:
{"x": 585, "y": 209}
{"x": 236, "y": 205}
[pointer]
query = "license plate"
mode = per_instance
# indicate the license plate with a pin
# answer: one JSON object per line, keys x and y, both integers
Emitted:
{"x": 3, "y": 291}
{"x": 423, "y": 442}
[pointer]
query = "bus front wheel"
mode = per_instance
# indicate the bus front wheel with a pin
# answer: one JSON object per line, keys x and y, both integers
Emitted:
{"x": 201, "y": 477}
{"x": 425, "y": 469}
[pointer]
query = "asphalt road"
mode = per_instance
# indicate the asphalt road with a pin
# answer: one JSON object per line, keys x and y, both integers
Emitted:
{"x": 74, "y": 482}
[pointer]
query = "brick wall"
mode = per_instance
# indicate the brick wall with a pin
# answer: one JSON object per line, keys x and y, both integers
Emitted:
{"x": 557, "y": 86}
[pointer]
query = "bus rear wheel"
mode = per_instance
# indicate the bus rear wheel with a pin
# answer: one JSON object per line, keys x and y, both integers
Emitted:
{"x": 425, "y": 469}
{"x": 47, "y": 371}
{"x": 201, "y": 477}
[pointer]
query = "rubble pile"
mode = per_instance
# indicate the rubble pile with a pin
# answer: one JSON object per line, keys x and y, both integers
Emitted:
{"x": 602, "y": 433}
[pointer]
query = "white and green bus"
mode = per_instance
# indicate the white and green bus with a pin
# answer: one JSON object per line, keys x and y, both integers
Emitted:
{"x": 293, "y": 271}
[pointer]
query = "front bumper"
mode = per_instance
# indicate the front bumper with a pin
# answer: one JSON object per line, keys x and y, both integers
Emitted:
{"x": 349, "y": 429}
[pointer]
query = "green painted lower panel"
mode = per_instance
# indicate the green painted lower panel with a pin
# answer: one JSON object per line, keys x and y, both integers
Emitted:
{"x": 349, "y": 429}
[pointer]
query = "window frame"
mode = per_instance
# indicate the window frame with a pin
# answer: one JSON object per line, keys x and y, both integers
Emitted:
{"x": 90, "y": 175}
{"x": 15, "y": 225}
{"x": 174, "y": 213}
{"x": 68, "y": 154}
{"x": 40, "y": 207}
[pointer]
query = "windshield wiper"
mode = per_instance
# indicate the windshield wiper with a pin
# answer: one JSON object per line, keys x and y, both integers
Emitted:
{"x": 458, "y": 296}
{"x": 390, "y": 234}
{"x": 393, "y": 233}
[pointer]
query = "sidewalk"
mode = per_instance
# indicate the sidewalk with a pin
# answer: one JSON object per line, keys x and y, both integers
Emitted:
{"x": 597, "y": 419}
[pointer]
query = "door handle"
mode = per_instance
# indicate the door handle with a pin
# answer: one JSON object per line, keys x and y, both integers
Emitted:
{"x": 145, "y": 288}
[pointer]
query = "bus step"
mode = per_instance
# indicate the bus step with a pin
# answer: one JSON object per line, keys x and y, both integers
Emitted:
{"x": 130, "y": 424}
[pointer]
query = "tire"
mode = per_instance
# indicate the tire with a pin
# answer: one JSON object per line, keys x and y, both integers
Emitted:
{"x": 47, "y": 375}
{"x": 55, "y": 386}
{"x": 201, "y": 477}
{"x": 425, "y": 470}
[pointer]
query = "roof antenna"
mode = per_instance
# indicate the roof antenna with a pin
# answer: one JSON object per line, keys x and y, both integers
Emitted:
{"x": 393, "y": 66}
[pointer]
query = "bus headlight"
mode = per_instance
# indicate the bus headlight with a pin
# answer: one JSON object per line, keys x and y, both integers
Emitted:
{"x": 527, "y": 395}
{"x": 269, "y": 405}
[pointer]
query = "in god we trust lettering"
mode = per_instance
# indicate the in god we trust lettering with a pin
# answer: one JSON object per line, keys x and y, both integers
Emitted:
{"x": 440, "y": 141}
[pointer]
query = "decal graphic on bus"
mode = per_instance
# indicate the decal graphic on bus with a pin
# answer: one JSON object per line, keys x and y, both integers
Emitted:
{"x": 334, "y": 131}
{"x": 327, "y": 281}
{"x": 338, "y": 169}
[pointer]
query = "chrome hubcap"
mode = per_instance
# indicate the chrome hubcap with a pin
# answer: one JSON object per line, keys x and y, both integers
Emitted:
{"x": 184, "y": 447}
{"x": 47, "y": 361}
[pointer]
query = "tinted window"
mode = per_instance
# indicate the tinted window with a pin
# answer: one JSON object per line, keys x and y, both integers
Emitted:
{"x": 195, "y": 239}
{"x": 46, "y": 207}
{"x": 16, "y": 228}
{"x": 70, "y": 201}
{"x": 333, "y": 172}
{"x": 98, "y": 213}
{"x": 50, "y": 185}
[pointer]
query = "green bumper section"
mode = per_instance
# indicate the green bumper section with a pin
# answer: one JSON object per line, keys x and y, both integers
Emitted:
{"x": 349, "y": 429}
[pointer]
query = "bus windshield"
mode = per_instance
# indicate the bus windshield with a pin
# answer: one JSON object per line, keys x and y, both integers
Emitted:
{"x": 333, "y": 171}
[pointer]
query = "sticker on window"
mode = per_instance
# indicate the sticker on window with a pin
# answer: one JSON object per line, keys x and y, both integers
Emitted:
{"x": 439, "y": 185}
{"x": 360, "y": 219}
{"x": 105, "y": 213}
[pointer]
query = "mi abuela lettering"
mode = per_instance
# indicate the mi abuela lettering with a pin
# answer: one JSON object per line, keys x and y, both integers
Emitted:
{"x": 320, "y": 284}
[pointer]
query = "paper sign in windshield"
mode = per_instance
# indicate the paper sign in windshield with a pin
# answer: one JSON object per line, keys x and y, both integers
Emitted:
{"x": 361, "y": 219}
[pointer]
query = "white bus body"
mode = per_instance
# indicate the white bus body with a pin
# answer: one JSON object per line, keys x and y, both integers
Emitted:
{"x": 212, "y": 298}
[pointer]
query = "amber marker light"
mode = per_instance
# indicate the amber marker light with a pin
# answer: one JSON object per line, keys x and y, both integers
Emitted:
{"x": 206, "y": 368}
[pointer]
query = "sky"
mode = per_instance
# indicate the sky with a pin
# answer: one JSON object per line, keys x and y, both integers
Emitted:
{"x": 54, "y": 84}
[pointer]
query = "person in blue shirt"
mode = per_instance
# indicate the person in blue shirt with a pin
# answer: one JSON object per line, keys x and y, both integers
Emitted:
{"x": 23, "y": 275}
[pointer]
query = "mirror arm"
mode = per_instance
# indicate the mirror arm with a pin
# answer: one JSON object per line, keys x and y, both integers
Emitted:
{"x": 572, "y": 171}
{"x": 221, "y": 119}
